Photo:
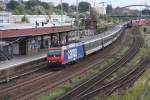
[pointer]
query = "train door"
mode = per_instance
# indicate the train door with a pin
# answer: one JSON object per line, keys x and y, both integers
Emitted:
{"x": 102, "y": 43}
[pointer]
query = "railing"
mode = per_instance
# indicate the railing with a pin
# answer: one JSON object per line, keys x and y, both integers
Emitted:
{"x": 4, "y": 55}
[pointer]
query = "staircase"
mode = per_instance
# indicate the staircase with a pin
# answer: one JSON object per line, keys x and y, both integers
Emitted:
{"x": 4, "y": 55}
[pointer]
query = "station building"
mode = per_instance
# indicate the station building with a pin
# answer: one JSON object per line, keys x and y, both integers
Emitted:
{"x": 26, "y": 40}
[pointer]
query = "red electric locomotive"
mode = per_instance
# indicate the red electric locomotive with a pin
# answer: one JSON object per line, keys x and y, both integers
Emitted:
{"x": 65, "y": 54}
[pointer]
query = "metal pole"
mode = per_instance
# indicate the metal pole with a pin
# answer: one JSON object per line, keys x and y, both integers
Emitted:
{"x": 103, "y": 4}
{"x": 1, "y": 31}
{"x": 1, "y": 40}
{"x": 89, "y": 10}
{"x": 103, "y": 7}
{"x": 61, "y": 11}
{"x": 94, "y": 5}
{"x": 77, "y": 17}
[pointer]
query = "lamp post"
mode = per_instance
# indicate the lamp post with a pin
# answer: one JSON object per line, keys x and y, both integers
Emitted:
{"x": 1, "y": 32}
{"x": 94, "y": 4}
{"x": 61, "y": 11}
{"x": 1, "y": 40}
{"x": 77, "y": 17}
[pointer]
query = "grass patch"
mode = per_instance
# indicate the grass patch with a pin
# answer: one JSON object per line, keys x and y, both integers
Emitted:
{"x": 136, "y": 91}
{"x": 139, "y": 87}
{"x": 118, "y": 55}
{"x": 145, "y": 30}
{"x": 139, "y": 91}
{"x": 144, "y": 52}
{"x": 57, "y": 91}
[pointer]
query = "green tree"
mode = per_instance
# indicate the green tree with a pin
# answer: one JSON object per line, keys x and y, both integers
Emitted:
{"x": 65, "y": 7}
{"x": 31, "y": 3}
{"x": 50, "y": 10}
{"x": 1, "y": 9}
{"x": 25, "y": 19}
{"x": 36, "y": 7}
{"x": 84, "y": 6}
{"x": 73, "y": 7}
{"x": 109, "y": 9}
{"x": 146, "y": 12}
{"x": 39, "y": 10}
{"x": 71, "y": 11}
{"x": 20, "y": 10}
{"x": 45, "y": 5}
{"x": 12, "y": 5}
{"x": 56, "y": 10}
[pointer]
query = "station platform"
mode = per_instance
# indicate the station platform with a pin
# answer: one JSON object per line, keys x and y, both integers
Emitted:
{"x": 20, "y": 60}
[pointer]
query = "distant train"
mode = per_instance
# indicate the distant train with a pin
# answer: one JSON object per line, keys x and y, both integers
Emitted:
{"x": 75, "y": 51}
{"x": 137, "y": 22}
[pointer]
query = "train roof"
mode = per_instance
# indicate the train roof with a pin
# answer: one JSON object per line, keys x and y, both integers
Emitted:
{"x": 21, "y": 30}
{"x": 103, "y": 35}
{"x": 67, "y": 45}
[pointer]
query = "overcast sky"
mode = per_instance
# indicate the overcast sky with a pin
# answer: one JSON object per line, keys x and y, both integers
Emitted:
{"x": 115, "y": 3}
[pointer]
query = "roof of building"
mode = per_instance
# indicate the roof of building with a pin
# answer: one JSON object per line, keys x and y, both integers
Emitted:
{"x": 18, "y": 30}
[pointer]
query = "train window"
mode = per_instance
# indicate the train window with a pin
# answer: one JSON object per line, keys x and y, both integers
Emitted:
{"x": 97, "y": 42}
{"x": 54, "y": 53}
{"x": 100, "y": 42}
{"x": 87, "y": 46}
{"x": 105, "y": 40}
{"x": 94, "y": 44}
{"x": 90, "y": 45}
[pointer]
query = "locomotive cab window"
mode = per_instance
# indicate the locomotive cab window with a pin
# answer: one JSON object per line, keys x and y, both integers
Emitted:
{"x": 54, "y": 53}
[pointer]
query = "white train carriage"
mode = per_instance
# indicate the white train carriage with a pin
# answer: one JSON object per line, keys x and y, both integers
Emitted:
{"x": 93, "y": 45}
{"x": 102, "y": 40}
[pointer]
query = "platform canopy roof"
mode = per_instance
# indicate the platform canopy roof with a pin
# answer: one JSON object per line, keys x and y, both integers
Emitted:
{"x": 8, "y": 31}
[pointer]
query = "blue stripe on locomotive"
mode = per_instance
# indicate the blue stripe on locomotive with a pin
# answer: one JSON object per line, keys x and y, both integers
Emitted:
{"x": 73, "y": 53}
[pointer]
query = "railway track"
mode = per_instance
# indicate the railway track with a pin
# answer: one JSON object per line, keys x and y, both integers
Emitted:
{"x": 89, "y": 85}
{"x": 122, "y": 82}
{"x": 13, "y": 90}
{"x": 35, "y": 86}
{"x": 46, "y": 86}
{"x": 34, "y": 68}
{"x": 133, "y": 76}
